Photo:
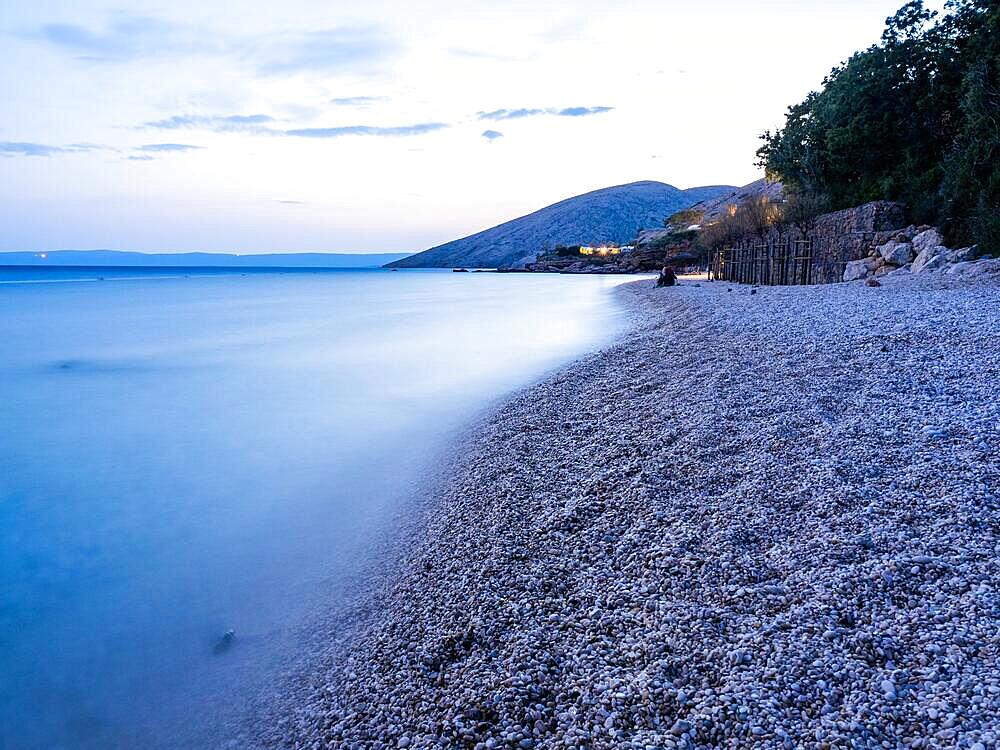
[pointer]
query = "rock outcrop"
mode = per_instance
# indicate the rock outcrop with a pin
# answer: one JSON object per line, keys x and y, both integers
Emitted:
{"x": 914, "y": 249}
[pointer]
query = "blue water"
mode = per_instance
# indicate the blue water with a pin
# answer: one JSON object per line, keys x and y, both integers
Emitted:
{"x": 184, "y": 452}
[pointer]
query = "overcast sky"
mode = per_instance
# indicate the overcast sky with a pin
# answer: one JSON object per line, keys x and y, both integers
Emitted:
{"x": 380, "y": 125}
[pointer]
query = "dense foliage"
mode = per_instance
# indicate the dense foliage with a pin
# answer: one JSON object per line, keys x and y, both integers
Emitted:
{"x": 914, "y": 118}
{"x": 567, "y": 251}
{"x": 751, "y": 218}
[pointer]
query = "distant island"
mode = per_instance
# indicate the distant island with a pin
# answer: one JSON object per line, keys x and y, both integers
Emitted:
{"x": 198, "y": 260}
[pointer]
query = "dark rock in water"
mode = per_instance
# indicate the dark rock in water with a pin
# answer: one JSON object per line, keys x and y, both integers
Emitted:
{"x": 225, "y": 643}
{"x": 460, "y": 270}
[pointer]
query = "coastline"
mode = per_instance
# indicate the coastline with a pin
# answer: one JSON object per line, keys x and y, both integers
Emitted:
{"x": 754, "y": 520}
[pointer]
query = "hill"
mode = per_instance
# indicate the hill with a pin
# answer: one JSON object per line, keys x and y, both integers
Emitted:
{"x": 715, "y": 207}
{"x": 613, "y": 214}
{"x": 198, "y": 260}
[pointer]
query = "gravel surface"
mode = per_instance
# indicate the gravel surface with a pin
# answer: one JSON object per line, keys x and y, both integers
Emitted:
{"x": 765, "y": 520}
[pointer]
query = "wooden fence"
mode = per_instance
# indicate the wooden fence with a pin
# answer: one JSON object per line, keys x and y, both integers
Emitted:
{"x": 777, "y": 263}
{"x": 782, "y": 262}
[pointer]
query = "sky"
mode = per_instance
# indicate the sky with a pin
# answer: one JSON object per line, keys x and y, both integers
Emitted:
{"x": 382, "y": 125}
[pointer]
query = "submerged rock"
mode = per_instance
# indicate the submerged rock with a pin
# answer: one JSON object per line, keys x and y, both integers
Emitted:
{"x": 225, "y": 642}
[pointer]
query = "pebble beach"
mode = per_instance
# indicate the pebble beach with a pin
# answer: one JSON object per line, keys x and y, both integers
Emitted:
{"x": 762, "y": 518}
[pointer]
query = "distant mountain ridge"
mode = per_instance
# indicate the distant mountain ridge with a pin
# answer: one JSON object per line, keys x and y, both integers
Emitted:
{"x": 198, "y": 260}
{"x": 612, "y": 215}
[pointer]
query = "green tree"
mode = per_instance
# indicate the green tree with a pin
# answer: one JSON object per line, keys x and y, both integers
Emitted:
{"x": 913, "y": 118}
{"x": 972, "y": 166}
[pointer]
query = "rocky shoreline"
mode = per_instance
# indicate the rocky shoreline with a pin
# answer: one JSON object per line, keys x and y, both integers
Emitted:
{"x": 761, "y": 519}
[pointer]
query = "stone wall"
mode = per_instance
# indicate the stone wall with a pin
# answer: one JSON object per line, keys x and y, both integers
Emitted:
{"x": 847, "y": 235}
{"x": 839, "y": 237}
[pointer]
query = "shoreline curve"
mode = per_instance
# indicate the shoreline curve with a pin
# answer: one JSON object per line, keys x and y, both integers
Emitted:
{"x": 756, "y": 520}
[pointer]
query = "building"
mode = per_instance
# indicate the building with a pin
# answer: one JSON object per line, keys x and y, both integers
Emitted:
{"x": 604, "y": 250}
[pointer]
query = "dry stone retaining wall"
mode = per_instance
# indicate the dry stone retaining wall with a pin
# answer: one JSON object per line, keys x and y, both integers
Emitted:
{"x": 827, "y": 247}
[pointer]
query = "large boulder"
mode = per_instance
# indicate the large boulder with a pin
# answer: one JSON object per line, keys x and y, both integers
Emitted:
{"x": 932, "y": 254}
{"x": 859, "y": 269}
{"x": 929, "y": 238}
{"x": 896, "y": 253}
{"x": 960, "y": 256}
{"x": 935, "y": 261}
{"x": 928, "y": 246}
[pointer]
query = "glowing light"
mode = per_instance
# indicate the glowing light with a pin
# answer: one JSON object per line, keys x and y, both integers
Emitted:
{"x": 603, "y": 250}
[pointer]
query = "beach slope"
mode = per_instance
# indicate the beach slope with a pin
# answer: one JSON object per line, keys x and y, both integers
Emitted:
{"x": 763, "y": 520}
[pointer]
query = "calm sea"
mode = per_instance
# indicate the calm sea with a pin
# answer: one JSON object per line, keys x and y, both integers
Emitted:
{"x": 185, "y": 452}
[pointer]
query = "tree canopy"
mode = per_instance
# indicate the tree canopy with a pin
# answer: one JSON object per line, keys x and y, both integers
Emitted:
{"x": 914, "y": 118}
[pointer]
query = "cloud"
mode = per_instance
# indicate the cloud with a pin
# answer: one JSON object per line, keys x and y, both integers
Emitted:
{"x": 358, "y": 101}
{"x": 295, "y": 203}
{"x": 140, "y": 153}
{"x": 492, "y": 135}
{"x": 162, "y": 147}
{"x": 258, "y": 124}
{"x": 515, "y": 114}
{"x": 354, "y": 49}
{"x": 126, "y": 37}
{"x": 581, "y": 111}
{"x": 21, "y": 148}
{"x": 218, "y": 123}
{"x": 510, "y": 114}
{"x": 75, "y": 148}
{"x": 395, "y": 131}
